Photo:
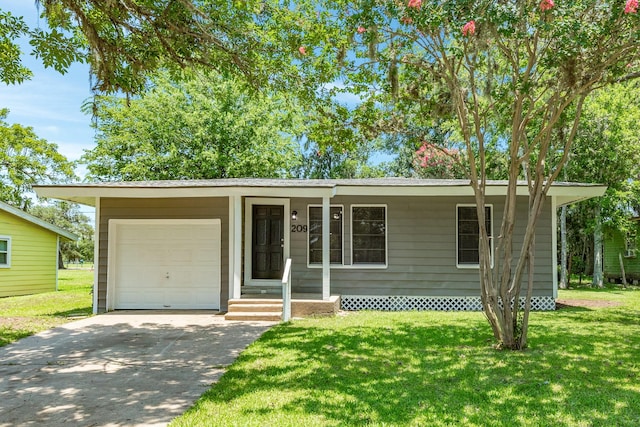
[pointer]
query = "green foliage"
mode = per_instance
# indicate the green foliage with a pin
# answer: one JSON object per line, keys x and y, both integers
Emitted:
{"x": 11, "y": 68}
{"x": 57, "y": 48}
{"x": 26, "y": 160}
{"x": 127, "y": 42}
{"x": 435, "y": 369}
{"x": 68, "y": 217}
{"x": 331, "y": 163}
{"x": 607, "y": 151}
{"x": 199, "y": 128}
{"x": 608, "y": 135}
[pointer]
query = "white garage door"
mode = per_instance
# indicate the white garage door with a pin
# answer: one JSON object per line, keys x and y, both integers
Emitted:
{"x": 164, "y": 264}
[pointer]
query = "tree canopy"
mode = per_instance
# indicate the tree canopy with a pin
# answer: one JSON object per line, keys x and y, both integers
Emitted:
{"x": 607, "y": 151}
{"x": 26, "y": 159}
{"x": 202, "y": 127}
{"x": 68, "y": 217}
{"x": 127, "y": 42}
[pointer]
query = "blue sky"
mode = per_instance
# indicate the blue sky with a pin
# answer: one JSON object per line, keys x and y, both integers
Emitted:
{"x": 50, "y": 102}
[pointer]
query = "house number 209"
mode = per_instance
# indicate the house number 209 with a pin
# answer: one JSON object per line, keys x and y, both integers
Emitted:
{"x": 298, "y": 228}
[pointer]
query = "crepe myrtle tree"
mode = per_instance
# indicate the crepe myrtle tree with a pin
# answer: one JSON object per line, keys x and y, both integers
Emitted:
{"x": 504, "y": 70}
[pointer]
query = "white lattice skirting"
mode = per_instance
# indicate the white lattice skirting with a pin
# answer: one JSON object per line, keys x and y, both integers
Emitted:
{"x": 405, "y": 303}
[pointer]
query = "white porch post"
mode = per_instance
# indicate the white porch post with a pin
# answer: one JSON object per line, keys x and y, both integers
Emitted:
{"x": 235, "y": 246}
{"x": 326, "y": 270}
{"x": 554, "y": 244}
{"x": 96, "y": 255}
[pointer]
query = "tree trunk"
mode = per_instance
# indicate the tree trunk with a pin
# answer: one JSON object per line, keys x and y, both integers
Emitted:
{"x": 60, "y": 261}
{"x": 624, "y": 276}
{"x": 564, "y": 273}
{"x": 597, "y": 250}
{"x": 501, "y": 284}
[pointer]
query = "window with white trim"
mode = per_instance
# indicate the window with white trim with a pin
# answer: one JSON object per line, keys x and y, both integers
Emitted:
{"x": 335, "y": 235}
{"x": 630, "y": 244}
{"x": 369, "y": 235}
{"x": 5, "y": 252}
{"x": 468, "y": 234}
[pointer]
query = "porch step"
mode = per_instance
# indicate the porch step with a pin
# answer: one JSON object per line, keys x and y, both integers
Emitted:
{"x": 269, "y": 316}
{"x": 233, "y": 308}
{"x": 264, "y": 290}
{"x": 254, "y": 309}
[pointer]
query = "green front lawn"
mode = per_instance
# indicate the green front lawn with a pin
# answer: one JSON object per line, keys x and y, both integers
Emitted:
{"x": 26, "y": 315}
{"x": 436, "y": 369}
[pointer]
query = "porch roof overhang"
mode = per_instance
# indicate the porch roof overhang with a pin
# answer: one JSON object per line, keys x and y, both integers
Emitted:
{"x": 87, "y": 193}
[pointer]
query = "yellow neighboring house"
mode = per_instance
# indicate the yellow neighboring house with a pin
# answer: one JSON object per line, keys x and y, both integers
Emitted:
{"x": 28, "y": 252}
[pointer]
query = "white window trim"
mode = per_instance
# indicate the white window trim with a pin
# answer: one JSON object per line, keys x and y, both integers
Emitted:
{"x": 8, "y": 240}
{"x": 386, "y": 236}
{"x": 630, "y": 248}
{"x": 473, "y": 266}
{"x": 319, "y": 265}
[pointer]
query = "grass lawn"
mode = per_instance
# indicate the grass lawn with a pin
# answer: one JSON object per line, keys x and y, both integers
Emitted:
{"x": 26, "y": 315}
{"x": 437, "y": 369}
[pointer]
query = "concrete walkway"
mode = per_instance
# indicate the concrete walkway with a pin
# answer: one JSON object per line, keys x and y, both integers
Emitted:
{"x": 118, "y": 369}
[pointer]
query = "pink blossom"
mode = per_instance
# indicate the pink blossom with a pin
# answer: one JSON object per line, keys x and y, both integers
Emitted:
{"x": 415, "y": 4}
{"x": 469, "y": 28}
{"x": 361, "y": 29}
{"x": 546, "y": 5}
{"x": 302, "y": 50}
{"x": 631, "y": 6}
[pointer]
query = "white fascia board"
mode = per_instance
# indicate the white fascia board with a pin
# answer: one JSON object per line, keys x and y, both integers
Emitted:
{"x": 87, "y": 195}
{"x": 463, "y": 190}
{"x": 428, "y": 190}
{"x": 565, "y": 194}
{"x": 288, "y": 192}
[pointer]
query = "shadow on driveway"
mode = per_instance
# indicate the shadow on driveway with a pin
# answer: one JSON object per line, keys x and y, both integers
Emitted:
{"x": 121, "y": 368}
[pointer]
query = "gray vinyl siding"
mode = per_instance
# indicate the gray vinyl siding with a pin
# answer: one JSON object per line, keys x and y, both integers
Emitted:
{"x": 421, "y": 250}
{"x": 170, "y": 208}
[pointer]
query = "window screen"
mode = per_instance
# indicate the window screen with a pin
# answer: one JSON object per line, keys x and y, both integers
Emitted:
{"x": 469, "y": 234}
{"x": 369, "y": 234}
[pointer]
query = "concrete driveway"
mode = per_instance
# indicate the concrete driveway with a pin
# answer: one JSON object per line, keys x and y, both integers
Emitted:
{"x": 118, "y": 369}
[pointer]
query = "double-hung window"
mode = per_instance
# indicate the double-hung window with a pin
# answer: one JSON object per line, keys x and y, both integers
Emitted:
{"x": 369, "y": 235}
{"x": 335, "y": 235}
{"x": 468, "y": 234}
{"x": 5, "y": 252}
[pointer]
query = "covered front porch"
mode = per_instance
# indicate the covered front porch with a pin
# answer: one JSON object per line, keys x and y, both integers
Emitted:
{"x": 260, "y": 234}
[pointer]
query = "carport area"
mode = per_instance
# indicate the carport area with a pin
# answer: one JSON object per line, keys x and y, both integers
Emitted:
{"x": 120, "y": 368}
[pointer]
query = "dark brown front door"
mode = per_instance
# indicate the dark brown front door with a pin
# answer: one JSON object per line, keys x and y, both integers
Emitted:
{"x": 268, "y": 242}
